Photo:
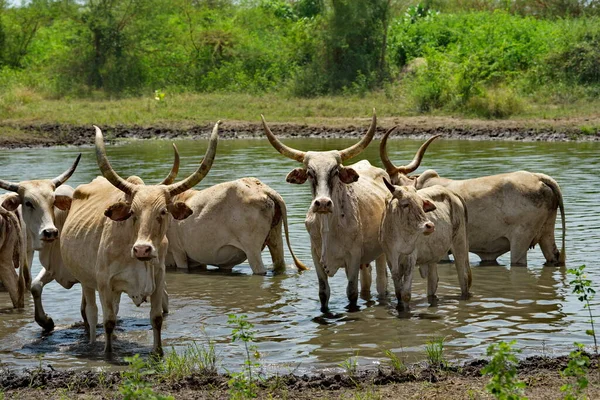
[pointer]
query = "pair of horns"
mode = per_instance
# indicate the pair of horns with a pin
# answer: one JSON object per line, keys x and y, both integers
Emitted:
{"x": 405, "y": 169}
{"x": 59, "y": 180}
{"x": 345, "y": 154}
{"x": 174, "y": 188}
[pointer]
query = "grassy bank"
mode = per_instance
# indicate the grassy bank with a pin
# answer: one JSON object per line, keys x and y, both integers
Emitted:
{"x": 24, "y": 106}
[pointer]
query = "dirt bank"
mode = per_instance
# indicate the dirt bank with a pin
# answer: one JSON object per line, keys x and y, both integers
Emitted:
{"x": 541, "y": 375}
{"x": 576, "y": 129}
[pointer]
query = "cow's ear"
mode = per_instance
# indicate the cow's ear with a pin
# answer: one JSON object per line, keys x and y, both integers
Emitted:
{"x": 297, "y": 176}
{"x": 348, "y": 175}
{"x": 119, "y": 211}
{"x": 12, "y": 202}
{"x": 388, "y": 185}
{"x": 62, "y": 202}
{"x": 428, "y": 206}
{"x": 179, "y": 210}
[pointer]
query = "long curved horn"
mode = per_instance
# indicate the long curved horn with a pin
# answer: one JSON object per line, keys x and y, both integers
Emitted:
{"x": 200, "y": 173}
{"x": 414, "y": 164}
{"x": 356, "y": 149}
{"x": 174, "y": 170}
{"x": 280, "y": 147}
{"x": 10, "y": 186}
{"x": 107, "y": 171}
{"x": 62, "y": 178}
{"x": 389, "y": 166}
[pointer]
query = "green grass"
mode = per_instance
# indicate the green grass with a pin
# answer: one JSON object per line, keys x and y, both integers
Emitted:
{"x": 434, "y": 349}
{"x": 184, "y": 110}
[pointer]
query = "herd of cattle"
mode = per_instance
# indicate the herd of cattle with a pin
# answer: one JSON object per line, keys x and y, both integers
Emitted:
{"x": 116, "y": 235}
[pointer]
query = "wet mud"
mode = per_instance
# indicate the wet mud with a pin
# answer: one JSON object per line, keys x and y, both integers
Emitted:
{"x": 43, "y": 135}
{"x": 45, "y": 378}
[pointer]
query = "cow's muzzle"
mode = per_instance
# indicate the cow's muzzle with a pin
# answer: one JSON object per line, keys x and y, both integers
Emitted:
{"x": 428, "y": 228}
{"x": 143, "y": 252}
{"x": 322, "y": 205}
{"x": 49, "y": 234}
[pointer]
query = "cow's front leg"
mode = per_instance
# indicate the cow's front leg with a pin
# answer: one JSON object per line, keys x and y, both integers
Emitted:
{"x": 397, "y": 278}
{"x": 156, "y": 309}
{"x": 407, "y": 278}
{"x": 37, "y": 288}
{"x": 109, "y": 316}
{"x": 352, "y": 272}
{"x": 324, "y": 290}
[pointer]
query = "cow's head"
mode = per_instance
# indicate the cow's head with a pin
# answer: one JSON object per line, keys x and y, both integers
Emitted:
{"x": 149, "y": 207}
{"x": 408, "y": 210}
{"x": 324, "y": 169}
{"x": 399, "y": 175}
{"x": 38, "y": 199}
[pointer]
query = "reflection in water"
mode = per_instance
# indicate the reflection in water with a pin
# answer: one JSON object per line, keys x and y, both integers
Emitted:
{"x": 533, "y": 305}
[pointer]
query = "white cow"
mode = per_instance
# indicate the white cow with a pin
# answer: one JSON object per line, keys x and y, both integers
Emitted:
{"x": 114, "y": 240}
{"x": 343, "y": 219}
{"x": 40, "y": 202}
{"x": 507, "y": 212}
{"x": 232, "y": 222}
{"x": 418, "y": 228}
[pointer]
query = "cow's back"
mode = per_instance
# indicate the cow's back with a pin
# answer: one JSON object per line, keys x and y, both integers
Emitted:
{"x": 223, "y": 215}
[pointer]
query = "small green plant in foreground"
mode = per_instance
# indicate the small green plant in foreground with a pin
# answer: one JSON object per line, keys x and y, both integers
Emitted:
{"x": 135, "y": 386}
{"x": 434, "y": 348}
{"x": 583, "y": 288}
{"x": 504, "y": 384}
{"x": 195, "y": 358}
{"x": 243, "y": 384}
{"x": 577, "y": 368}
{"x": 350, "y": 365}
{"x": 396, "y": 362}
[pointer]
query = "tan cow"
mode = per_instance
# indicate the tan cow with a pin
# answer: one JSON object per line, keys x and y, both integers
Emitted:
{"x": 114, "y": 239}
{"x": 507, "y": 212}
{"x": 418, "y": 228}
{"x": 13, "y": 249}
{"x": 343, "y": 219}
{"x": 232, "y": 221}
{"x": 39, "y": 202}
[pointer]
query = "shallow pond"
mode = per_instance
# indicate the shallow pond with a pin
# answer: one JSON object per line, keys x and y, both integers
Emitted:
{"x": 533, "y": 305}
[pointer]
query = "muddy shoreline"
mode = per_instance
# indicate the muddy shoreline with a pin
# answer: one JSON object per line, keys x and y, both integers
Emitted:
{"x": 44, "y": 135}
{"x": 537, "y": 372}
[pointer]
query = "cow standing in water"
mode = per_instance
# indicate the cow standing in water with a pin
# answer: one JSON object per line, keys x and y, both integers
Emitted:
{"x": 42, "y": 204}
{"x": 344, "y": 217}
{"x": 418, "y": 228}
{"x": 114, "y": 240}
{"x": 507, "y": 212}
{"x": 242, "y": 216}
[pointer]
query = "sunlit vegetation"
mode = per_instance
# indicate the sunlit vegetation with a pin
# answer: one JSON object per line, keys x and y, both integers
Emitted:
{"x": 491, "y": 59}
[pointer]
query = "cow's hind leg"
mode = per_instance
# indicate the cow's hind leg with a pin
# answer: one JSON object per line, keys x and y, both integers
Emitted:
{"x": 518, "y": 251}
{"x": 432, "y": 282}
{"x": 13, "y": 284}
{"x": 255, "y": 261}
{"x": 548, "y": 243}
{"x": 109, "y": 316}
{"x": 91, "y": 311}
{"x": 352, "y": 272}
{"x": 366, "y": 279}
{"x": 275, "y": 245}
{"x": 381, "y": 278}
{"x": 37, "y": 287}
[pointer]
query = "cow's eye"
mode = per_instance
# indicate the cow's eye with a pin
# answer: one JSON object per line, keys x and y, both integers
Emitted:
{"x": 163, "y": 212}
{"x": 29, "y": 205}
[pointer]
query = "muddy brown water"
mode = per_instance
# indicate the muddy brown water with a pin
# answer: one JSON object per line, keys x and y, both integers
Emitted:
{"x": 533, "y": 305}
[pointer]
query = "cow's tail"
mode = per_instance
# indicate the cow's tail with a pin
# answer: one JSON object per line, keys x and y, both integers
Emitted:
{"x": 276, "y": 197}
{"x": 552, "y": 184}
